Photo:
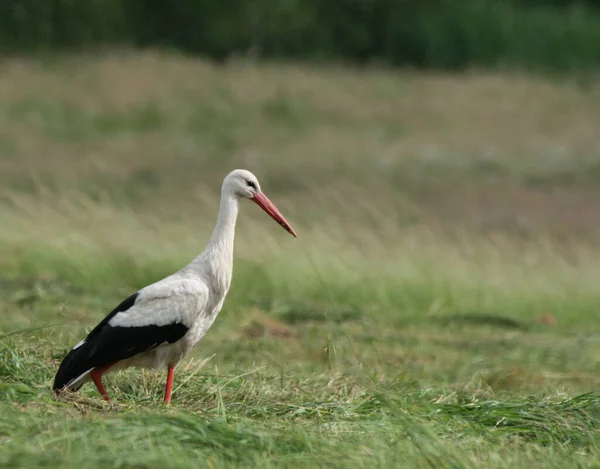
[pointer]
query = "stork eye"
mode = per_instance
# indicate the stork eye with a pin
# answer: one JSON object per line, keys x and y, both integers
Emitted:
{"x": 251, "y": 184}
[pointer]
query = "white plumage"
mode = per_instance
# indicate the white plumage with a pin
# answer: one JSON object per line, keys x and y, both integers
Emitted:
{"x": 161, "y": 323}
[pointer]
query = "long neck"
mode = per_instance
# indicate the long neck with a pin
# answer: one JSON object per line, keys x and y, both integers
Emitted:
{"x": 218, "y": 254}
{"x": 221, "y": 241}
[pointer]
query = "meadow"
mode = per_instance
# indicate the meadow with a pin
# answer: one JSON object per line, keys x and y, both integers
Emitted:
{"x": 439, "y": 308}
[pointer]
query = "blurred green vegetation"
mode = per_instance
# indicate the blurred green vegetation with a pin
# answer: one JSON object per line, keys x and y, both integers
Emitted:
{"x": 436, "y": 34}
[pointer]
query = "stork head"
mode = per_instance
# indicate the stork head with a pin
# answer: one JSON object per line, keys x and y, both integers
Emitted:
{"x": 244, "y": 184}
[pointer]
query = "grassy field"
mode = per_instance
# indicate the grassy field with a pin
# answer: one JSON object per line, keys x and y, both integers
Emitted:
{"x": 438, "y": 310}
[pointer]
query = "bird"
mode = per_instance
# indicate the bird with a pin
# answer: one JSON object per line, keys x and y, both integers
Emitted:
{"x": 158, "y": 325}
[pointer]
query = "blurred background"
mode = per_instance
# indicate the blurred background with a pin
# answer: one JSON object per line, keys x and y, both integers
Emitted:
{"x": 440, "y": 161}
{"x": 480, "y": 113}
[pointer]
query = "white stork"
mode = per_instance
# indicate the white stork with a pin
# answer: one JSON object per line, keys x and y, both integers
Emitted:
{"x": 161, "y": 323}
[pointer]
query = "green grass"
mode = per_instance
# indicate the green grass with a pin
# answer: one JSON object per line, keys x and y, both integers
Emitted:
{"x": 438, "y": 310}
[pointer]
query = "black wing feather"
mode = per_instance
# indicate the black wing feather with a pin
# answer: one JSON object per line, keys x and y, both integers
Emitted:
{"x": 106, "y": 344}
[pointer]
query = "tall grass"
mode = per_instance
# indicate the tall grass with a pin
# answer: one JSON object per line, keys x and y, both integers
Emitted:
{"x": 432, "y": 312}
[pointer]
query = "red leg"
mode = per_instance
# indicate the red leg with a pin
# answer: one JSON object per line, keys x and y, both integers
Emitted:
{"x": 97, "y": 379}
{"x": 169, "y": 386}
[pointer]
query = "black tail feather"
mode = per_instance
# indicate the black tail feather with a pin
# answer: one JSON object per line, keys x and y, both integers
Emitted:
{"x": 75, "y": 364}
{"x": 79, "y": 359}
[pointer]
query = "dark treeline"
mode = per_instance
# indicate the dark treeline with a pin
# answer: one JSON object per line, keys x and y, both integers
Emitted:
{"x": 441, "y": 34}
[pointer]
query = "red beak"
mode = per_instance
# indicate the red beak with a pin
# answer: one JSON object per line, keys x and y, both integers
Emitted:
{"x": 263, "y": 202}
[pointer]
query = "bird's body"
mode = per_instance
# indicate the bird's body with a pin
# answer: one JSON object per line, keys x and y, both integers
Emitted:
{"x": 160, "y": 324}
